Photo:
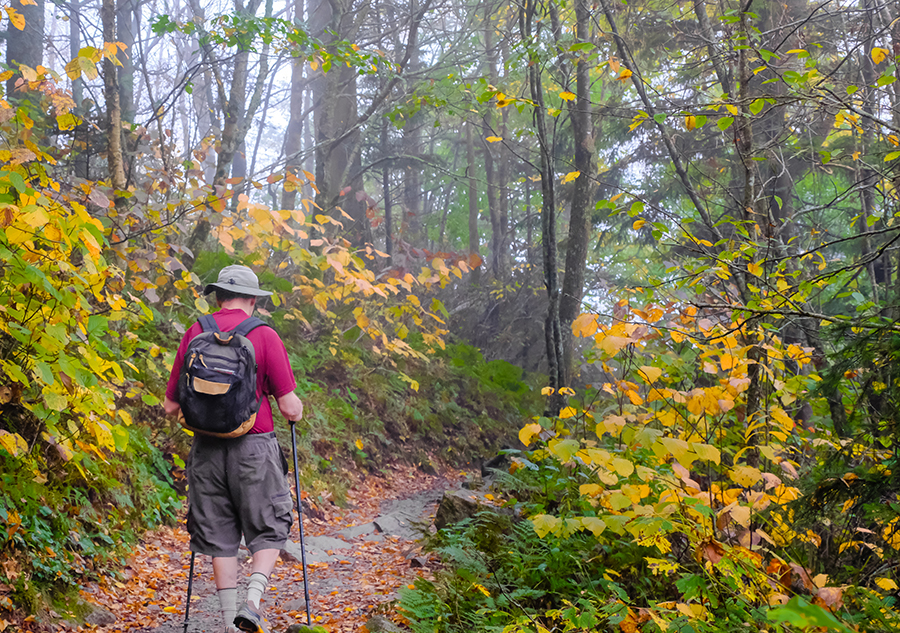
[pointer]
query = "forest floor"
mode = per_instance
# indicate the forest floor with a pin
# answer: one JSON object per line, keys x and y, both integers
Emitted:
{"x": 358, "y": 557}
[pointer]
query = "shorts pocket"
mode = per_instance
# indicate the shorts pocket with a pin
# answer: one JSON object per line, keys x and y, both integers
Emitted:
{"x": 282, "y": 503}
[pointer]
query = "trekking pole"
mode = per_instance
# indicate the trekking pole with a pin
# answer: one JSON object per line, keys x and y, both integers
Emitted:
{"x": 187, "y": 606}
{"x": 300, "y": 523}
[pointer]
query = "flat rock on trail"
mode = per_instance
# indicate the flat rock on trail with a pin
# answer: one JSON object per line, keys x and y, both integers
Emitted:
{"x": 357, "y": 559}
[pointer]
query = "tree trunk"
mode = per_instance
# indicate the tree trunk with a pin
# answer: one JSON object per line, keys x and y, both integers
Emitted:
{"x": 114, "y": 156}
{"x": 293, "y": 139}
{"x": 126, "y": 31}
{"x": 238, "y": 117}
{"x": 552, "y": 332}
{"x": 25, "y": 46}
{"x": 386, "y": 188}
{"x": 336, "y": 119}
{"x": 474, "y": 245}
{"x": 490, "y": 171}
{"x": 579, "y": 216}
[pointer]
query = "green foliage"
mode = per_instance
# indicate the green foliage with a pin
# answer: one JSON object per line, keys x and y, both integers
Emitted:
{"x": 69, "y": 530}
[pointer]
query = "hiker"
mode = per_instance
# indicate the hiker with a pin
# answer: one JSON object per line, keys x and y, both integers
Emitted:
{"x": 238, "y": 485}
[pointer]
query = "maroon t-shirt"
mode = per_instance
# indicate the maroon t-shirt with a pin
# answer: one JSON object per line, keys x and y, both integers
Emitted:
{"x": 274, "y": 376}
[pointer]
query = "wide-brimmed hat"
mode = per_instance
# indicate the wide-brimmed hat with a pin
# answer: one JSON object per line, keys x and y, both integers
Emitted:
{"x": 239, "y": 280}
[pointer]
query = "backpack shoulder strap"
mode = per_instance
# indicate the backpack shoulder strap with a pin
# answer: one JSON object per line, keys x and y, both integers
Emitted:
{"x": 208, "y": 323}
{"x": 247, "y": 325}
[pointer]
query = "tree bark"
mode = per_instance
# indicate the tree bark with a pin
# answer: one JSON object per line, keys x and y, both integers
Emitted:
{"x": 474, "y": 245}
{"x": 25, "y": 46}
{"x": 126, "y": 31}
{"x": 579, "y": 215}
{"x": 552, "y": 332}
{"x": 114, "y": 157}
{"x": 293, "y": 139}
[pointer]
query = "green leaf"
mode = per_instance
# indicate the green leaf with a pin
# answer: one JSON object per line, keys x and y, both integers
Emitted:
{"x": 892, "y": 156}
{"x": 120, "y": 437}
{"x": 757, "y": 106}
{"x": 659, "y": 117}
{"x": 725, "y": 122}
{"x": 150, "y": 400}
{"x": 800, "y": 613}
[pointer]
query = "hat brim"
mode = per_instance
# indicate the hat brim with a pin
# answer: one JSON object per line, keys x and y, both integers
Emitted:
{"x": 241, "y": 290}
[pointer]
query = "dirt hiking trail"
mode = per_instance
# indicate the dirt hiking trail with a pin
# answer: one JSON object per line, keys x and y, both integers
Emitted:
{"x": 357, "y": 558}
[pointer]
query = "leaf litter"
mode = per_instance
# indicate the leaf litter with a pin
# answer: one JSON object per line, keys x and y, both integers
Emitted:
{"x": 150, "y": 590}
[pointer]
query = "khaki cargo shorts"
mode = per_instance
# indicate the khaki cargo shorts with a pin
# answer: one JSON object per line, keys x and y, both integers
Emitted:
{"x": 237, "y": 487}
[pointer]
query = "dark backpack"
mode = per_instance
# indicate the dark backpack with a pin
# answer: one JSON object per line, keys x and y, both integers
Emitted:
{"x": 217, "y": 385}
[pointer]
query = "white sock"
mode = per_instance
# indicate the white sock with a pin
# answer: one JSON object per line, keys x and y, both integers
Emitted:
{"x": 228, "y": 604}
{"x": 257, "y": 587}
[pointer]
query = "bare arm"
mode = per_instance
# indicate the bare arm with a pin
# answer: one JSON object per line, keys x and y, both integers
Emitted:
{"x": 171, "y": 407}
{"x": 291, "y": 406}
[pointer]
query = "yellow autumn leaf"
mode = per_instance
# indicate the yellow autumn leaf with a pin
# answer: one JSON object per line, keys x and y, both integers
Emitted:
{"x": 624, "y": 75}
{"x": 690, "y": 122}
{"x": 170, "y": 609}
{"x": 886, "y": 584}
{"x": 589, "y": 490}
{"x": 584, "y": 325}
{"x": 779, "y": 415}
{"x": 707, "y": 452}
{"x": 548, "y": 391}
{"x": 745, "y": 476}
{"x": 638, "y": 224}
{"x": 567, "y": 391}
{"x": 16, "y": 18}
{"x": 755, "y": 268}
{"x": 879, "y": 54}
{"x": 595, "y": 525}
{"x": 13, "y": 443}
{"x": 568, "y": 412}
{"x": 572, "y": 175}
{"x": 622, "y": 466}
{"x": 678, "y": 448}
{"x": 650, "y": 374}
{"x": 567, "y": 96}
{"x": 494, "y": 139}
{"x": 732, "y": 109}
{"x": 527, "y": 433}
{"x": 359, "y": 444}
{"x": 612, "y": 344}
{"x": 741, "y": 515}
{"x": 544, "y": 524}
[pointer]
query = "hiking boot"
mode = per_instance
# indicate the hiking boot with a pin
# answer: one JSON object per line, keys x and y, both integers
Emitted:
{"x": 250, "y": 620}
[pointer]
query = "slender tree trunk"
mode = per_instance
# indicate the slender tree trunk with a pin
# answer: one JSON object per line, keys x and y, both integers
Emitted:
{"x": 293, "y": 139}
{"x": 386, "y": 187}
{"x": 474, "y": 245}
{"x": 490, "y": 171}
{"x": 866, "y": 177}
{"x": 579, "y": 216}
{"x": 114, "y": 156}
{"x": 552, "y": 332}
{"x": 82, "y": 131}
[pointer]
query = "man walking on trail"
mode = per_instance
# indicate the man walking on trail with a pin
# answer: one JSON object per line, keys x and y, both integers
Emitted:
{"x": 237, "y": 485}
